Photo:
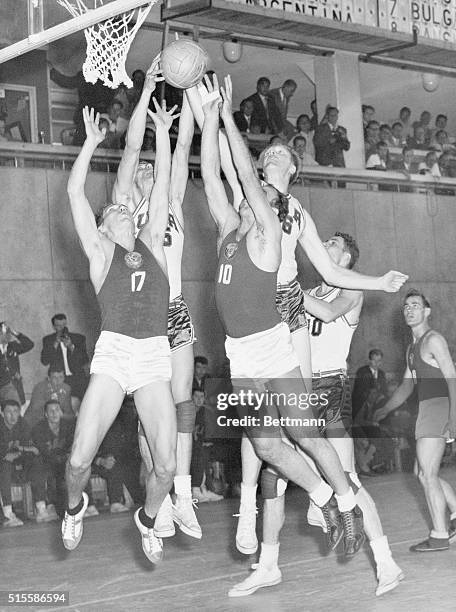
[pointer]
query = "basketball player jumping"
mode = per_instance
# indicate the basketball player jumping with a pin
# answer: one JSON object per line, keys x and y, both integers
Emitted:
{"x": 431, "y": 368}
{"x": 334, "y": 315}
{"x": 133, "y": 186}
{"x": 132, "y": 354}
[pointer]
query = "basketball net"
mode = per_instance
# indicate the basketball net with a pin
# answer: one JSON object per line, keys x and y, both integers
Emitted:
{"x": 108, "y": 42}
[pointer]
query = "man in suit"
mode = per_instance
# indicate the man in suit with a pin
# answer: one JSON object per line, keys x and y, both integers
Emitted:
{"x": 12, "y": 344}
{"x": 368, "y": 377}
{"x": 243, "y": 117}
{"x": 265, "y": 113}
{"x": 281, "y": 97}
{"x": 67, "y": 350}
{"x": 331, "y": 141}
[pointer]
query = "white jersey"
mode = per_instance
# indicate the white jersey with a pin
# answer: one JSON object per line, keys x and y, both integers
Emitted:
{"x": 292, "y": 228}
{"x": 173, "y": 244}
{"x": 174, "y": 247}
{"x": 329, "y": 342}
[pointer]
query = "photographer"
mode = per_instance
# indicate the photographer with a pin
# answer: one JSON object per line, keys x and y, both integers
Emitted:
{"x": 12, "y": 344}
{"x": 68, "y": 352}
{"x": 330, "y": 141}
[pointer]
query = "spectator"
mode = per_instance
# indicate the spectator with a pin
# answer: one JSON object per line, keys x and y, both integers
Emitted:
{"x": 201, "y": 453}
{"x": 425, "y": 120}
{"x": 67, "y": 350}
{"x": 130, "y": 96}
{"x": 385, "y": 134}
{"x": 404, "y": 117}
{"x": 397, "y": 135}
{"x": 372, "y": 138}
{"x": 117, "y": 124}
{"x": 265, "y": 113}
{"x": 19, "y": 459}
{"x": 111, "y": 141}
{"x": 243, "y": 117}
{"x": 406, "y": 163}
{"x": 96, "y": 96}
{"x": 201, "y": 367}
{"x": 303, "y": 128}
{"x": 331, "y": 141}
{"x": 446, "y": 165}
{"x": 368, "y": 377}
{"x": 53, "y": 387}
{"x": 281, "y": 98}
{"x": 368, "y": 114}
{"x": 440, "y": 124}
{"x": 430, "y": 165}
{"x": 314, "y": 118}
{"x": 12, "y": 344}
{"x": 149, "y": 139}
{"x": 417, "y": 141}
{"x": 299, "y": 146}
{"x": 4, "y": 135}
{"x": 380, "y": 159}
{"x": 441, "y": 142}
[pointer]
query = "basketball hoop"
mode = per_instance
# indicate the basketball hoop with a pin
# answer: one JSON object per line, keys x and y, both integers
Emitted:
{"x": 108, "y": 42}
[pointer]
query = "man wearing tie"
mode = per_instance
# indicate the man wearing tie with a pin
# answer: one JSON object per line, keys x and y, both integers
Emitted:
{"x": 68, "y": 351}
{"x": 265, "y": 113}
{"x": 243, "y": 117}
{"x": 281, "y": 98}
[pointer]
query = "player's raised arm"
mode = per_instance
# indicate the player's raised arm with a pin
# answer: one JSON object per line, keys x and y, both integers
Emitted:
{"x": 179, "y": 165}
{"x": 194, "y": 98}
{"x": 330, "y": 311}
{"x": 246, "y": 170}
{"x": 337, "y": 276}
{"x": 123, "y": 185}
{"x": 153, "y": 232}
{"x": 83, "y": 216}
{"x": 221, "y": 210}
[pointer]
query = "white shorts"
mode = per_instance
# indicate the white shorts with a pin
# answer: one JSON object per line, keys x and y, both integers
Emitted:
{"x": 132, "y": 362}
{"x": 267, "y": 354}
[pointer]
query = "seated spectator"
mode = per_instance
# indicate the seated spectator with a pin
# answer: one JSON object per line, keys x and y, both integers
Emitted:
{"x": 201, "y": 453}
{"x": 243, "y": 117}
{"x": 440, "y": 124}
{"x": 19, "y": 460}
{"x": 397, "y": 135}
{"x": 417, "y": 141}
{"x": 12, "y": 344}
{"x": 406, "y": 163}
{"x": 430, "y": 165}
{"x": 441, "y": 142}
{"x": 385, "y": 134}
{"x": 53, "y": 387}
{"x": 368, "y": 115}
{"x": 331, "y": 141}
{"x": 265, "y": 113}
{"x": 447, "y": 164}
{"x": 380, "y": 159}
{"x": 372, "y": 138}
{"x": 304, "y": 128}
{"x": 200, "y": 372}
{"x": 110, "y": 141}
{"x": 300, "y": 146}
{"x": 404, "y": 117}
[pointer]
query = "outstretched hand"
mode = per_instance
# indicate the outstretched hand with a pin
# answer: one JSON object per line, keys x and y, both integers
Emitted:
{"x": 392, "y": 281}
{"x": 91, "y": 120}
{"x": 210, "y": 95}
{"x": 163, "y": 118}
{"x": 227, "y": 96}
{"x": 153, "y": 75}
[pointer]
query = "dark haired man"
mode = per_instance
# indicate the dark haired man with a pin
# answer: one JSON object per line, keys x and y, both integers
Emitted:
{"x": 281, "y": 98}
{"x": 12, "y": 344}
{"x": 265, "y": 112}
{"x": 330, "y": 141}
{"x": 431, "y": 370}
{"x": 368, "y": 377}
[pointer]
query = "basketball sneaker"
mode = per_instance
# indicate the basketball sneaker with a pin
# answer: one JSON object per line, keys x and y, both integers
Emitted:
{"x": 164, "y": 525}
{"x": 246, "y": 538}
{"x": 315, "y": 516}
{"x": 334, "y": 526}
{"x": 152, "y": 546}
{"x": 72, "y": 525}
{"x": 388, "y": 576}
{"x": 117, "y": 507}
{"x": 431, "y": 545}
{"x": 184, "y": 516}
{"x": 352, "y": 522}
{"x": 261, "y": 577}
{"x": 12, "y": 520}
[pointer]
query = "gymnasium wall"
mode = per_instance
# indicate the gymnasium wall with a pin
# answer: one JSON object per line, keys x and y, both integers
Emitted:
{"x": 43, "y": 269}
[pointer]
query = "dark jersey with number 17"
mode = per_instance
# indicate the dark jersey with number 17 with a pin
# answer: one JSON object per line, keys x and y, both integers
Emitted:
{"x": 134, "y": 298}
{"x": 244, "y": 294}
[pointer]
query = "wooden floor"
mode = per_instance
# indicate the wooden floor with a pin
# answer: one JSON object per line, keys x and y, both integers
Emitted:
{"x": 108, "y": 572}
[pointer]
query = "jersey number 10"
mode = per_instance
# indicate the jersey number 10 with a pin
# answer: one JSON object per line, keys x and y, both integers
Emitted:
{"x": 225, "y": 273}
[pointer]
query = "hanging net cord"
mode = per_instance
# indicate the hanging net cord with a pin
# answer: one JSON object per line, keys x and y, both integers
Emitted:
{"x": 108, "y": 43}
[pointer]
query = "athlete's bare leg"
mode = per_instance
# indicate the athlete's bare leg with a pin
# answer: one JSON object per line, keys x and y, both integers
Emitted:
{"x": 181, "y": 387}
{"x": 450, "y": 495}
{"x": 429, "y": 453}
{"x": 301, "y": 345}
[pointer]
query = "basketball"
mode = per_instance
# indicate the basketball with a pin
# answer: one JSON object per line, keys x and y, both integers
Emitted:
{"x": 183, "y": 63}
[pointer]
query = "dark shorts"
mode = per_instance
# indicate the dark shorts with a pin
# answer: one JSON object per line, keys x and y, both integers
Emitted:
{"x": 180, "y": 328}
{"x": 433, "y": 417}
{"x": 290, "y": 304}
{"x": 335, "y": 403}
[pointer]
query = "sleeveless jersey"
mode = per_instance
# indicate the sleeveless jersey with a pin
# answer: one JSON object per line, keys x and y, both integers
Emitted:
{"x": 329, "y": 342}
{"x": 292, "y": 228}
{"x": 244, "y": 294}
{"x": 134, "y": 297}
{"x": 174, "y": 247}
{"x": 429, "y": 380}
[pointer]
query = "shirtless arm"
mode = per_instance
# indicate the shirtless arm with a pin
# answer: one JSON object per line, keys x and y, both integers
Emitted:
{"x": 179, "y": 166}
{"x": 347, "y": 301}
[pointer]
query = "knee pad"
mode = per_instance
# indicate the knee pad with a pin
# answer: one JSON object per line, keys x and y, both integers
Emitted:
{"x": 186, "y": 415}
{"x": 272, "y": 485}
{"x": 353, "y": 481}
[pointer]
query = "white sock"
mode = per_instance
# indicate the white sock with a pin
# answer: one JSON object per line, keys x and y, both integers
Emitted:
{"x": 322, "y": 494}
{"x": 347, "y": 501}
{"x": 8, "y": 511}
{"x": 41, "y": 506}
{"x": 452, "y": 516}
{"x": 183, "y": 485}
{"x": 439, "y": 534}
{"x": 269, "y": 556}
{"x": 248, "y": 495}
{"x": 381, "y": 550}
